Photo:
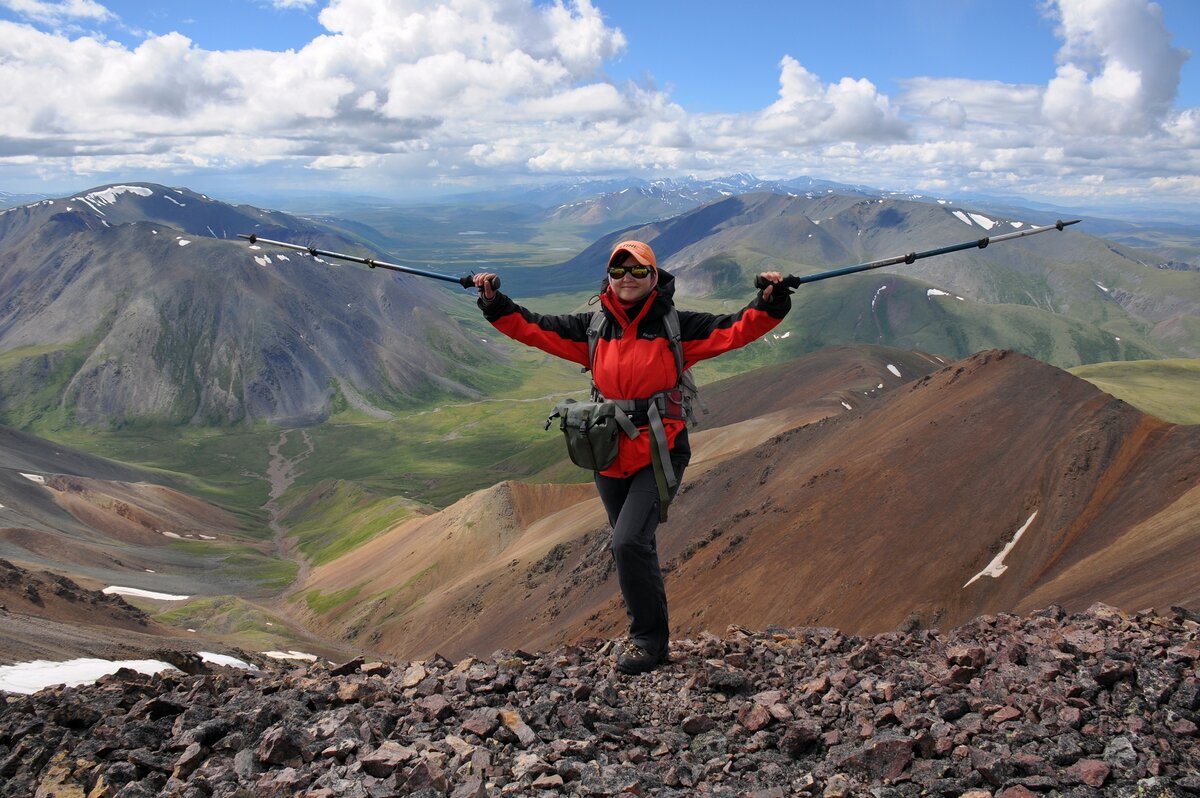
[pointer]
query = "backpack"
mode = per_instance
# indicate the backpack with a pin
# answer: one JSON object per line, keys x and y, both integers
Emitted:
{"x": 675, "y": 403}
{"x": 686, "y": 385}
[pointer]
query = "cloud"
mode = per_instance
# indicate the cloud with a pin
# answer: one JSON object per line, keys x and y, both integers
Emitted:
{"x": 425, "y": 92}
{"x": 1118, "y": 73}
{"x": 58, "y": 12}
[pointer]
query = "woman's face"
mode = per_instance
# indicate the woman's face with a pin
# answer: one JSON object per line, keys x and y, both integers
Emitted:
{"x": 629, "y": 288}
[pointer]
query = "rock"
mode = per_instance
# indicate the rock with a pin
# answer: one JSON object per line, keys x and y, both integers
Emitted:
{"x": 482, "y": 723}
{"x": 426, "y": 775}
{"x": 187, "y": 763}
{"x": 345, "y": 668}
{"x": 1078, "y": 706}
{"x": 513, "y": 721}
{"x": 755, "y": 717}
{"x": 880, "y": 759}
{"x": 283, "y": 745}
{"x": 697, "y": 724}
{"x": 387, "y": 758}
{"x": 1091, "y": 772}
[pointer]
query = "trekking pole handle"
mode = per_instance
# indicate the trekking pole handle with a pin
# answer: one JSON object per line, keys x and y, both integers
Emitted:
{"x": 791, "y": 281}
{"x": 469, "y": 281}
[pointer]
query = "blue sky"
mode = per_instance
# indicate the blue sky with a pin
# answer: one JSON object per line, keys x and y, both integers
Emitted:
{"x": 1076, "y": 100}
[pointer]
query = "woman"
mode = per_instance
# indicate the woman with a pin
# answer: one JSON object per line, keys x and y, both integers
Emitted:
{"x": 634, "y": 360}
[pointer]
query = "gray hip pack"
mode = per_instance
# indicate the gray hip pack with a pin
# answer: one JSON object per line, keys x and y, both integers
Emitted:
{"x": 592, "y": 431}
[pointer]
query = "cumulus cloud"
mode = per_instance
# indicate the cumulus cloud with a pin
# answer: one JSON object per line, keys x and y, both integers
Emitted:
{"x": 427, "y": 91}
{"x": 809, "y": 111}
{"x": 58, "y": 12}
{"x": 1118, "y": 72}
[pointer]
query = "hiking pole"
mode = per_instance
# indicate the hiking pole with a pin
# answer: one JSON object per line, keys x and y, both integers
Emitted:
{"x": 792, "y": 281}
{"x": 466, "y": 282}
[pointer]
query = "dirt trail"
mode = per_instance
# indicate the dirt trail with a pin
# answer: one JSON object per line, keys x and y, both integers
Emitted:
{"x": 281, "y": 473}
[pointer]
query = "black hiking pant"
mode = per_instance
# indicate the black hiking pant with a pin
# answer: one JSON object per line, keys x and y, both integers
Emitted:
{"x": 632, "y": 507}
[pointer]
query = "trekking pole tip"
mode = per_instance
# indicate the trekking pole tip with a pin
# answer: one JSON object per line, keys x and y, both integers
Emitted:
{"x": 1060, "y": 224}
{"x": 252, "y": 237}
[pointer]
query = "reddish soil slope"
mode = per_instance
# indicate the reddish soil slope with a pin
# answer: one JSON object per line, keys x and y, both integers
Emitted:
{"x": 866, "y": 519}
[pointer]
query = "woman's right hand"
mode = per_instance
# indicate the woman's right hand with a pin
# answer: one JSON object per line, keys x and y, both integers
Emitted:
{"x": 484, "y": 283}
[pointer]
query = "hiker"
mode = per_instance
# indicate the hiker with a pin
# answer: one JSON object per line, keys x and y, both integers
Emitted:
{"x": 633, "y": 362}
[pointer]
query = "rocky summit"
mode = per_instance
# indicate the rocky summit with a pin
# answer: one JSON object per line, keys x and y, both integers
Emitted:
{"x": 1100, "y": 703}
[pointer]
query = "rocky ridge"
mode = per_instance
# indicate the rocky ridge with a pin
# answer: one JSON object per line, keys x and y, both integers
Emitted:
{"x": 1099, "y": 703}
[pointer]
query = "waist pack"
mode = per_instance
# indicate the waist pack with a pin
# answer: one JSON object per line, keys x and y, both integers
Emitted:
{"x": 592, "y": 431}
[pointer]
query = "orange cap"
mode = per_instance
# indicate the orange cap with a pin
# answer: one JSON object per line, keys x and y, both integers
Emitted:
{"x": 640, "y": 251}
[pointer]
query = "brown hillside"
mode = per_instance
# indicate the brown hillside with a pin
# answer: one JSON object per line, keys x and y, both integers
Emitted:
{"x": 877, "y": 517}
{"x": 516, "y": 560}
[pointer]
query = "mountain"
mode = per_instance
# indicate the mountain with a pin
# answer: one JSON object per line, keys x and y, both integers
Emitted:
{"x": 135, "y": 303}
{"x": 8, "y": 199}
{"x": 107, "y": 523}
{"x": 1071, "y": 297}
{"x": 856, "y": 488}
{"x": 635, "y": 202}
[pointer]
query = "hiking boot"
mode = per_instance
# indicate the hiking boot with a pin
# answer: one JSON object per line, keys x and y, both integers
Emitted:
{"x": 635, "y": 659}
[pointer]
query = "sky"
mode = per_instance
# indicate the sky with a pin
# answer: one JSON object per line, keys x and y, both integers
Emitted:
{"x": 1076, "y": 102}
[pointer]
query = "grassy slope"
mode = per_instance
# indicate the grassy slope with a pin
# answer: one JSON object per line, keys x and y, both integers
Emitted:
{"x": 1168, "y": 389}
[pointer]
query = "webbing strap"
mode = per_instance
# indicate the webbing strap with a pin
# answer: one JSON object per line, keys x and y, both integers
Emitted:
{"x": 660, "y": 458}
{"x": 625, "y": 422}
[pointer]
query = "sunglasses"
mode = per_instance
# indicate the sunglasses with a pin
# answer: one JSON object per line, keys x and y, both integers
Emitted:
{"x": 640, "y": 272}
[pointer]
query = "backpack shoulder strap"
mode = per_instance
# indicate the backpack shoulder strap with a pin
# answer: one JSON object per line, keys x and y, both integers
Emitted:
{"x": 594, "y": 331}
{"x": 675, "y": 336}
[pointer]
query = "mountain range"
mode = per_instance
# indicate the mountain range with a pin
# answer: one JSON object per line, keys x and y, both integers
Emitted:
{"x": 863, "y": 488}
{"x": 137, "y": 303}
{"x": 906, "y": 451}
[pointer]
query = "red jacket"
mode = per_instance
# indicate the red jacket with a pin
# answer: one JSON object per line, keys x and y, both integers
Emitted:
{"x": 634, "y": 359}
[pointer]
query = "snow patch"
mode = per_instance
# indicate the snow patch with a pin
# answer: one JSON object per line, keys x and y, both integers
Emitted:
{"x": 935, "y": 292}
{"x": 27, "y": 678}
{"x": 893, "y": 369}
{"x": 109, "y": 195}
{"x": 875, "y": 298}
{"x": 171, "y": 535}
{"x": 177, "y": 202}
{"x": 117, "y": 590}
{"x": 1102, "y": 288}
{"x": 183, "y": 242}
{"x": 982, "y": 221}
{"x": 1017, "y": 225}
{"x": 226, "y": 660}
{"x": 34, "y": 478}
{"x": 847, "y": 406}
{"x": 262, "y": 260}
{"x": 997, "y": 566}
{"x": 290, "y": 655}
{"x": 962, "y": 217}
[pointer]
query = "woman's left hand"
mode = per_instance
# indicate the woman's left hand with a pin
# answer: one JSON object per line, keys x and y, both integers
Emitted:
{"x": 772, "y": 278}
